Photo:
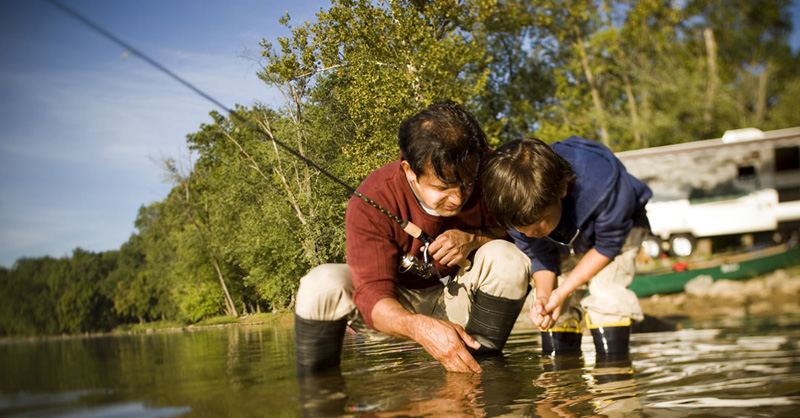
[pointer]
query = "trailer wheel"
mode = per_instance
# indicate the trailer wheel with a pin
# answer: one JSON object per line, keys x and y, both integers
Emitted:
{"x": 681, "y": 245}
{"x": 652, "y": 246}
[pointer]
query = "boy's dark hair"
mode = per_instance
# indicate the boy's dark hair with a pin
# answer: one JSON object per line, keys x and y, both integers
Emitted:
{"x": 449, "y": 138}
{"x": 521, "y": 179}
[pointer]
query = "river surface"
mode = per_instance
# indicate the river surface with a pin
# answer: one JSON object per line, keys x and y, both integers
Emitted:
{"x": 722, "y": 368}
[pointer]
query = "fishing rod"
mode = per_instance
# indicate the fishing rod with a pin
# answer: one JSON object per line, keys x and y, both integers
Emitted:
{"x": 408, "y": 263}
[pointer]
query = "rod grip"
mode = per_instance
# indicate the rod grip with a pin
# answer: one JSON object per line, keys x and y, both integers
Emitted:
{"x": 416, "y": 232}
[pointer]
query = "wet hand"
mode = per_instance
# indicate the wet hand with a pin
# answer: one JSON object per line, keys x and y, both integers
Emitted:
{"x": 554, "y": 304}
{"x": 539, "y": 315}
{"x": 452, "y": 246}
{"x": 445, "y": 342}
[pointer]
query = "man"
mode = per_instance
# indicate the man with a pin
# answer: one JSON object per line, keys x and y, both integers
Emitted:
{"x": 434, "y": 186}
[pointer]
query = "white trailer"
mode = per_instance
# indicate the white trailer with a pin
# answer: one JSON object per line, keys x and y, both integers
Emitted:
{"x": 745, "y": 182}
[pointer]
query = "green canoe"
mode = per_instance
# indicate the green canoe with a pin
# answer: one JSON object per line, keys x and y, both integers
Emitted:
{"x": 731, "y": 267}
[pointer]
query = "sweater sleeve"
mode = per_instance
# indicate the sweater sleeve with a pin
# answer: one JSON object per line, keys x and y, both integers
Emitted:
{"x": 372, "y": 255}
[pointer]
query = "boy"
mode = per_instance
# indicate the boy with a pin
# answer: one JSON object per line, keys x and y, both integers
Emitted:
{"x": 577, "y": 213}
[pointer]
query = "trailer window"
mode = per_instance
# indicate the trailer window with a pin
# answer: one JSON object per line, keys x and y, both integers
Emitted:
{"x": 788, "y": 194}
{"x": 747, "y": 172}
{"x": 787, "y": 158}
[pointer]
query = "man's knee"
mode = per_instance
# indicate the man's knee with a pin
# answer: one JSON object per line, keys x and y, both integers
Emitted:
{"x": 508, "y": 272}
{"x": 325, "y": 293}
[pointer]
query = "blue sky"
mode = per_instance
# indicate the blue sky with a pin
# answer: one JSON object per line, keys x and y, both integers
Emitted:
{"x": 82, "y": 127}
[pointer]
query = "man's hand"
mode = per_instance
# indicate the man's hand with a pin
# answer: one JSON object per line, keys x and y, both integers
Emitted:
{"x": 445, "y": 342}
{"x": 452, "y": 246}
{"x": 441, "y": 339}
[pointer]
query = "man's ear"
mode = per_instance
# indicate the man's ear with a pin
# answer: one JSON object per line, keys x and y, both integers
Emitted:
{"x": 409, "y": 173}
{"x": 564, "y": 190}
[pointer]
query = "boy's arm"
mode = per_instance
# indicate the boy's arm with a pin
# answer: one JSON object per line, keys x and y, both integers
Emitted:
{"x": 588, "y": 267}
{"x": 544, "y": 281}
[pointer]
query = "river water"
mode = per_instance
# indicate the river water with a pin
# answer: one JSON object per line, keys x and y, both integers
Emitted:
{"x": 722, "y": 368}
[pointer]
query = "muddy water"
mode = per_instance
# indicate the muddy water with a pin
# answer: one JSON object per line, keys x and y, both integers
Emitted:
{"x": 719, "y": 368}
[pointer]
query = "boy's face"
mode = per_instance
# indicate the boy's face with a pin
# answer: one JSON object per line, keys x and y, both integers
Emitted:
{"x": 446, "y": 199}
{"x": 546, "y": 224}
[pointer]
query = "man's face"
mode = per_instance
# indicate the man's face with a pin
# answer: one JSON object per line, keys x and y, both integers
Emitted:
{"x": 446, "y": 199}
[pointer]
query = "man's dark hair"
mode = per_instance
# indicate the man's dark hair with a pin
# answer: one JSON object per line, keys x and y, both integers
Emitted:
{"x": 521, "y": 179}
{"x": 446, "y": 136}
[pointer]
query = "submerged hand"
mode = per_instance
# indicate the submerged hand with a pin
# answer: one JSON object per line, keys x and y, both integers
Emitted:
{"x": 445, "y": 342}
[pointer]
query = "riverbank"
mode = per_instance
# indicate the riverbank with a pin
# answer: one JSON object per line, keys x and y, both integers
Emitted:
{"x": 772, "y": 294}
{"x": 274, "y": 318}
{"x": 776, "y": 293}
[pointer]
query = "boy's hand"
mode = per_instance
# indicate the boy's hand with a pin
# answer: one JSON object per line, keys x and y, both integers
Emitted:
{"x": 539, "y": 315}
{"x": 546, "y": 310}
{"x": 554, "y": 304}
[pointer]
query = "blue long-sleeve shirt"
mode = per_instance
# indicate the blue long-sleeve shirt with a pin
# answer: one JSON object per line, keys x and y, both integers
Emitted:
{"x": 599, "y": 211}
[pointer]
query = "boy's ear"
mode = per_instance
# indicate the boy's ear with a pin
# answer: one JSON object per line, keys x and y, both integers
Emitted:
{"x": 564, "y": 190}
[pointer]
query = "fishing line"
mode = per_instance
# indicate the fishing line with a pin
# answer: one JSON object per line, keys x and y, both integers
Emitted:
{"x": 407, "y": 226}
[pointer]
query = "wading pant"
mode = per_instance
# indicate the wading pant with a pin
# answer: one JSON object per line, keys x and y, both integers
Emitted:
{"x": 497, "y": 268}
{"x": 609, "y": 300}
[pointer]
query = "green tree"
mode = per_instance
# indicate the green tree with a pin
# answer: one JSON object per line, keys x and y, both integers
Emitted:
{"x": 26, "y": 298}
{"x": 754, "y": 60}
{"x": 371, "y": 65}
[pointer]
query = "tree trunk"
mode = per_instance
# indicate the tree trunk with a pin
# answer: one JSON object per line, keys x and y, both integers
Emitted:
{"x": 711, "y": 88}
{"x": 625, "y": 64}
{"x": 761, "y": 97}
{"x": 637, "y": 132}
{"x": 230, "y": 307}
{"x": 646, "y": 115}
{"x": 598, "y": 104}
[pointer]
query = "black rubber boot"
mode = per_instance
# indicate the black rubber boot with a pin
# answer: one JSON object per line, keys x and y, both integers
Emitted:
{"x": 323, "y": 394}
{"x": 613, "y": 367}
{"x": 490, "y": 322}
{"x": 563, "y": 362}
{"x": 317, "y": 344}
{"x": 611, "y": 339}
{"x": 561, "y": 342}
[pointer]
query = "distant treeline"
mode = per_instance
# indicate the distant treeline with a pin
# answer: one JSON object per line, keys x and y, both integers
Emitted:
{"x": 245, "y": 220}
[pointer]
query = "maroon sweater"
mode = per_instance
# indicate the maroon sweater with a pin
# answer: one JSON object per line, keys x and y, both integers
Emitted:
{"x": 375, "y": 243}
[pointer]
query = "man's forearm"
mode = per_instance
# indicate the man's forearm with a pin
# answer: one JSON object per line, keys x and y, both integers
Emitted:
{"x": 389, "y": 317}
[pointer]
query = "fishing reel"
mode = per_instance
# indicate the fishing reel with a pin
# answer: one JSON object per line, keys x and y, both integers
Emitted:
{"x": 422, "y": 268}
{"x": 411, "y": 264}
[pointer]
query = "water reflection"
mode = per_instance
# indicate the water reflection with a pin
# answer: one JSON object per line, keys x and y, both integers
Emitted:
{"x": 731, "y": 367}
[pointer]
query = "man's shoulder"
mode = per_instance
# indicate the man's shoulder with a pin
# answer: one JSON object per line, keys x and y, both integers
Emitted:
{"x": 387, "y": 173}
{"x": 386, "y": 180}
